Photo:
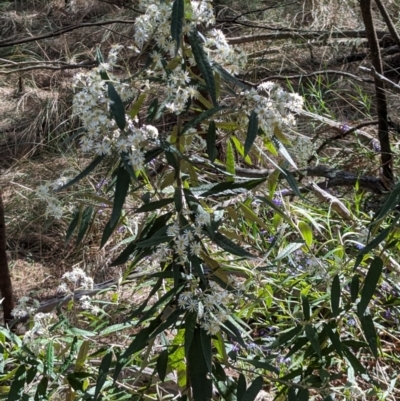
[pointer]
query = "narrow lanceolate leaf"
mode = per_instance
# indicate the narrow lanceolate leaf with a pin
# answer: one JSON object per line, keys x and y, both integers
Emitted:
{"x": 137, "y": 105}
{"x": 241, "y": 387}
{"x": 198, "y": 370}
{"x": 83, "y": 174}
{"x": 370, "y": 283}
{"x": 252, "y": 131}
{"x": 162, "y": 364}
{"x": 370, "y": 334}
{"x": 211, "y": 140}
{"x": 151, "y": 112}
{"x": 354, "y": 361}
{"x": 121, "y": 190}
{"x": 335, "y": 295}
{"x": 190, "y": 324}
{"x": 312, "y": 336}
{"x": 203, "y": 64}
{"x": 178, "y": 10}
{"x": 41, "y": 390}
{"x": 201, "y": 117}
{"x": 288, "y": 250}
{"x": 103, "y": 372}
{"x": 253, "y": 390}
{"x": 334, "y": 337}
{"x": 228, "y": 77}
{"x": 287, "y": 336}
{"x": 85, "y": 220}
{"x": 260, "y": 363}
{"x": 303, "y": 394}
{"x": 354, "y": 287}
{"x": 230, "y": 161}
{"x": 18, "y": 384}
{"x": 306, "y": 307}
{"x": 108, "y": 230}
{"x": 306, "y": 232}
{"x": 49, "y": 358}
{"x": 72, "y": 225}
{"x": 374, "y": 243}
{"x": 229, "y": 246}
{"x": 116, "y": 106}
{"x": 149, "y": 207}
{"x": 226, "y": 188}
{"x": 288, "y": 176}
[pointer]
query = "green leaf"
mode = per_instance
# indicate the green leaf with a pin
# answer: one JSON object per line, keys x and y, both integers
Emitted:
{"x": 207, "y": 348}
{"x": 178, "y": 12}
{"x": 152, "y": 111}
{"x": 108, "y": 230}
{"x": 335, "y": 339}
{"x": 190, "y": 325}
{"x": 83, "y": 174}
{"x": 287, "y": 336}
{"x": 117, "y": 107}
{"x": 292, "y": 394}
{"x": 121, "y": 190}
{"x": 306, "y": 307}
{"x": 260, "y": 363}
{"x": 354, "y": 362}
{"x": 162, "y": 364}
{"x": 41, "y": 389}
{"x": 241, "y": 387}
{"x": 288, "y": 250}
{"x": 253, "y": 390}
{"x": 227, "y": 245}
{"x": 72, "y": 225}
{"x": 276, "y": 209}
{"x": 354, "y": 287}
{"x": 226, "y": 188}
{"x": 303, "y": 394}
{"x": 328, "y": 398}
{"x": 137, "y": 105}
{"x": 149, "y": 207}
{"x": 312, "y": 336}
{"x": 335, "y": 295}
{"x": 374, "y": 243}
{"x": 49, "y": 358}
{"x": 370, "y": 334}
{"x": 230, "y": 78}
{"x": 103, "y": 372}
{"x": 198, "y": 370}
{"x": 306, "y": 232}
{"x": 203, "y": 64}
{"x": 252, "y": 131}
{"x": 370, "y": 283}
{"x": 288, "y": 176}
{"x": 391, "y": 202}
{"x": 201, "y": 117}
{"x": 86, "y": 216}
{"x": 17, "y": 384}
{"x": 211, "y": 141}
{"x": 230, "y": 161}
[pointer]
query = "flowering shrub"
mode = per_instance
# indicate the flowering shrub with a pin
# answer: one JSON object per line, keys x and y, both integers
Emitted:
{"x": 208, "y": 249}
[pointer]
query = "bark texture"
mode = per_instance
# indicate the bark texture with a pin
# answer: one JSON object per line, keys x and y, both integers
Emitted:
{"x": 5, "y": 279}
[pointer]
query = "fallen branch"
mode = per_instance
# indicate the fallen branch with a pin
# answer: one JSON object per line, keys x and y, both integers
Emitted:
{"x": 302, "y": 35}
{"x": 382, "y": 78}
{"x": 58, "y": 32}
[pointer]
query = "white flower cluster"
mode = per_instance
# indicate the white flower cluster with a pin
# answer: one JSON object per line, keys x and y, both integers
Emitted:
{"x": 211, "y": 305}
{"x": 25, "y": 307}
{"x": 184, "y": 243}
{"x": 78, "y": 278}
{"x": 155, "y": 24}
{"x": 91, "y": 104}
{"x": 219, "y": 50}
{"x": 42, "y": 323}
{"x": 45, "y": 194}
{"x": 302, "y": 149}
{"x": 274, "y": 106}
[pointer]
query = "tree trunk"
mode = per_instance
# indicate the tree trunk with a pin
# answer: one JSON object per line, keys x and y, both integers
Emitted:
{"x": 5, "y": 279}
